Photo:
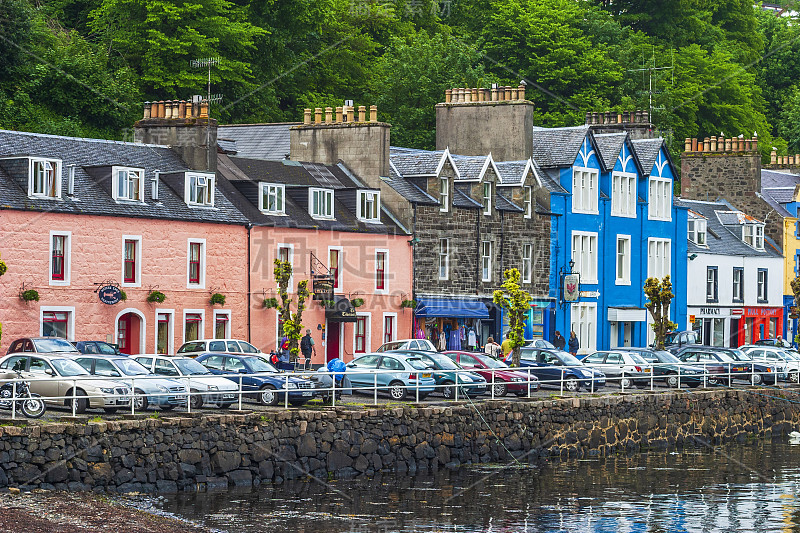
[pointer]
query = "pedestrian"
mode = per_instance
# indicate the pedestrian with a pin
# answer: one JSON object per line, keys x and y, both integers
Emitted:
{"x": 506, "y": 346}
{"x": 492, "y": 349}
{"x": 307, "y": 347}
{"x": 573, "y": 343}
{"x": 284, "y": 354}
{"x": 559, "y": 341}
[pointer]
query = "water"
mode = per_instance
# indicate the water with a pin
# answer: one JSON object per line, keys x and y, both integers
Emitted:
{"x": 732, "y": 488}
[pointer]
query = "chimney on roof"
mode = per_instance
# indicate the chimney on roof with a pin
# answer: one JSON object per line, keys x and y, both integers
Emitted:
{"x": 635, "y": 122}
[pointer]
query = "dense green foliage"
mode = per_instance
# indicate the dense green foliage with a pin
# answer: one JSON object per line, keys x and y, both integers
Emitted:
{"x": 83, "y": 67}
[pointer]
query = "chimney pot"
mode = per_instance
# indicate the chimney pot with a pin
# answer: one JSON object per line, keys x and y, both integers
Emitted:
{"x": 373, "y": 113}
{"x": 317, "y": 115}
{"x": 480, "y": 94}
{"x": 168, "y": 109}
{"x": 508, "y": 92}
{"x": 687, "y": 145}
{"x": 588, "y": 117}
{"x": 626, "y": 117}
{"x": 713, "y": 143}
{"x": 190, "y": 110}
{"x": 182, "y": 109}
{"x": 448, "y": 95}
{"x": 747, "y": 144}
{"x": 694, "y": 144}
{"x": 773, "y": 157}
{"x": 146, "y": 110}
{"x": 338, "y": 114}
{"x": 362, "y": 113}
{"x": 328, "y": 115}
{"x": 595, "y": 117}
{"x": 786, "y": 160}
{"x": 521, "y": 91}
{"x": 619, "y": 118}
{"x": 515, "y": 94}
{"x": 467, "y": 95}
{"x": 204, "y": 109}
{"x": 153, "y": 109}
{"x": 306, "y": 116}
{"x": 475, "y": 94}
{"x": 160, "y": 109}
{"x": 646, "y": 117}
{"x": 706, "y": 144}
{"x": 494, "y": 94}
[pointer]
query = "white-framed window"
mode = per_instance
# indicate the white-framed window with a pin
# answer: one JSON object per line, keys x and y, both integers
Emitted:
{"x": 271, "y": 198}
{"x": 320, "y": 203}
{"x": 584, "y": 190}
{"x": 128, "y": 184}
{"x": 527, "y": 262}
{"x": 712, "y": 284}
{"x": 697, "y": 230}
{"x": 486, "y": 261}
{"x": 444, "y": 259}
{"x": 444, "y": 195}
{"x": 528, "y": 201}
{"x": 57, "y": 321}
{"x": 285, "y": 252}
{"x": 335, "y": 262}
{"x": 381, "y": 270}
{"x": 194, "y": 324}
{"x": 389, "y": 327}
{"x": 738, "y": 284}
{"x": 763, "y": 295}
{"x": 196, "y": 264}
{"x": 369, "y": 206}
{"x": 623, "y": 260}
{"x": 362, "y": 333}
{"x": 487, "y": 198}
{"x": 131, "y": 261}
{"x": 60, "y": 258}
{"x": 44, "y": 178}
{"x": 623, "y": 195}
{"x": 753, "y": 235}
{"x": 200, "y": 190}
{"x": 659, "y": 202}
{"x": 583, "y": 321}
{"x": 165, "y": 331}
{"x": 222, "y": 323}
{"x": 659, "y": 258}
{"x": 584, "y": 253}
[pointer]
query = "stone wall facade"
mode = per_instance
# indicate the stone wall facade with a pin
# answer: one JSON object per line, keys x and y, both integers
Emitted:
{"x": 217, "y": 451}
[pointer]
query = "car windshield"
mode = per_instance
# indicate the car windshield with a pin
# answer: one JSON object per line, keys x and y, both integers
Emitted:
{"x": 190, "y": 367}
{"x": 417, "y": 363}
{"x": 666, "y": 357}
{"x": 106, "y": 349}
{"x": 247, "y": 347}
{"x": 791, "y": 356}
{"x": 129, "y": 367}
{"x": 53, "y": 345}
{"x": 444, "y": 362}
{"x": 739, "y": 355}
{"x": 491, "y": 362}
{"x": 66, "y": 367}
{"x": 636, "y": 358}
{"x": 390, "y": 346}
{"x": 568, "y": 359}
{"x": 259, "y": 365}
{"x": 724, "y": 356}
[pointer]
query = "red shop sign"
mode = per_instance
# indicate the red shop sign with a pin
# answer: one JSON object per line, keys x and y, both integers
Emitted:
{"x": 763, "y": 311}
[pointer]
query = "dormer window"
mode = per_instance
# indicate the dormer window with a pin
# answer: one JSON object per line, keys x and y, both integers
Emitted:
{"x": 753, "y": 235}
{"x": 271, "y": 199}
{"x": 320, "y": 203}
{"x": 369, "y": 203}
{"x": 128, "y": 184}
{"x": 487, "y": 198}
{"x": 45, "y": 178}
{"x": 697, "y": 231}
{"x": 200, "y": 189}
{"x": 528, "y": 201}
{"x": 444, "y": 195}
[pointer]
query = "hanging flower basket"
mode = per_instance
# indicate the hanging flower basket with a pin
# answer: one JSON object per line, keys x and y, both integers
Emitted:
{"x": 408, "y": 303}
{"x": 357, "y": 302}
{"x": 217, "y": 298}
{"x": 3, "y": 267}
{"x": 122, "y": 295}
{"x": 156, "y": 297}
{"x": 271, "y": 303}
{"x": 31, "y": 295}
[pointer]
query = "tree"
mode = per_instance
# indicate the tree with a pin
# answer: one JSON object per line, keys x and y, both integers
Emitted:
{"x": 516, "y": 302}
{"x": 291, "y": 323}
{"x": 659, "y": 295}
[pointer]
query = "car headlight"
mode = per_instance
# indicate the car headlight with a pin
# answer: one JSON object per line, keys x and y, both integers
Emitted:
{"x": 162, "y": 388}
{"x": 465, "y": 379}
{"x": 289, "y": 385}
{"x": 105, "y": 390}
{"x": 213, "y": 387}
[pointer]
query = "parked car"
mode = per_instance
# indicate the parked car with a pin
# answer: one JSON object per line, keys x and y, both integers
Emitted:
{"x": 554, "y": 366}
{"x": 97, "y": 347}
{"x": 259, "y": 378}
{"x": 204, "y": 386}
{"x": 164, "y": 393}
{"x": 626, "y": 367}
{"x": 756, "y": 372}
{"x": 782, "y": 343}
{"x": 679, "y": 339}
{"x": 59, "y": 379}
{"x": 787, "y": 361}
{"x": 669, "y": 369}
{"x": 408, "y": 344}
{"x": 51, "y": 345}
{"x": 497, "y": 374}
{"x": 446, "y": 373}
{"x": 195, "y": 348}
{"x": 541, "y": 343}
{"x": 404, "y": 376}
{"x": 728, "y": 365}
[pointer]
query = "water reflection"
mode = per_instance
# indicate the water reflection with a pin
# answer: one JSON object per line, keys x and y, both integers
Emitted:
{"x": 736, "y": 488}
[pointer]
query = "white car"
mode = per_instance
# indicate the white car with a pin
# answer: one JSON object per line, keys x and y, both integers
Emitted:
{"x": 205, "y": 387}
{"x": 408, "y": 344}
{"x": 786, "y": 361}
{"x": 195, "y": 348}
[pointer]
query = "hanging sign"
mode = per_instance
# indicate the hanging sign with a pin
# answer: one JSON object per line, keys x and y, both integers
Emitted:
{"x": 322, "y": 287}
{"x": 110, "y": 294}
{"x": 572, "y": 287}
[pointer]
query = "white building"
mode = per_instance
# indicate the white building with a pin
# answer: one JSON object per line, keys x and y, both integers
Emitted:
{"x": 734, "y": 276}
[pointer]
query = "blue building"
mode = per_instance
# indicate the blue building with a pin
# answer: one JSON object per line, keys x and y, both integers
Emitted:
{"x": 614, "y": 224}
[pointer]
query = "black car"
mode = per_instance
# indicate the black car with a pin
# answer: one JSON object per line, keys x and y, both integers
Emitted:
{"x": 97, "y": 348}
{"x": 670, "y": 369}
{"x": 731, "y": 363}
{"x": 676, "y": 340}
{"x": 553, "y": 367}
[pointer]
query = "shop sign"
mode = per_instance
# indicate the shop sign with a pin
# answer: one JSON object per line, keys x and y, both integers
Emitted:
{"x": 110, "y": 294}
{"x": 691, "y": 318}
{"x": 590, "y": 294}
{"x": 737, "y": 311}
{"x": 322, "y": 287}
{"x": 763, "y": 311}
{"x": 572, "y": 285}
{"x": 709, "y": 311}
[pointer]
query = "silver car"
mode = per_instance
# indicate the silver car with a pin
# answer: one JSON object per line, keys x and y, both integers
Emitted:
{"x": 205, "y": 387}
{"x": 195, "y": 348}
{"x": 786, "y": 361}
{"x": 625, "y": 367}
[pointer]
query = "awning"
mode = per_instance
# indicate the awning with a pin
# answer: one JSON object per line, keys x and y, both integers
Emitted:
{"x": 451, "y": 307}
{"x": 627, "y": 314}
{"x": 341, "y": 311}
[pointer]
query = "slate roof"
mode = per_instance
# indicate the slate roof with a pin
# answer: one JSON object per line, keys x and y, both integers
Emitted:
{"x": 551, "y": 179}
{"x": 417, "y": 162}
{"x": 462, "y": 198}
{"x": 773, "y": 178}
{"x": 94, "y": 198}
{"x": 558, "y": 147}
{"x": 647, "y": 151}
{"x": 782, "y": 195}
{"x": 511, "y": 172}
{"x": 777, "y": 189}
{"x": 610, "y": 145}
{"x": 469, "y": 167}
{"x": 227, "y": 146}
{"x": 259, "y": 141}
{"x": 505, "y": 204}
{"x": 722, "y": 221}
{"x": 408, "y": 190}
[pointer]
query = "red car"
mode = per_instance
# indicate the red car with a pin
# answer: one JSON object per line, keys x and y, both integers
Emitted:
{"x": 505, "y": 379}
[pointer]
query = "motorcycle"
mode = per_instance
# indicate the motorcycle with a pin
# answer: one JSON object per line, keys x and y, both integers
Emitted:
{"x": 13, "y": 386}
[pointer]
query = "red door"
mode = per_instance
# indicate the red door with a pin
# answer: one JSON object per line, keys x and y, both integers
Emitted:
{"x": 333, "y": 334}
{"x": 128, "y": 334}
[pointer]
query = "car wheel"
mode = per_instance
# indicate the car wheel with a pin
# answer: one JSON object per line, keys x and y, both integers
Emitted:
{"x": 572, "y": 385}
{"x": 448, "y": 391}
{"x": 110, "y": 410}
{"x": 500, "y": 388}
{"x": 397, "y": 390}
{"x": 81, "y": 402}
{"x": 268, "y": 396}
{"x": 140, "y": 401}
{"x": 625, "y": 383}
{"x": 757, "y": 379}
{"x": 196, "y": 400}
{"x": 794, "y": 377}
{"x": 713, "y": 381}
{"x": 672, "y": 381}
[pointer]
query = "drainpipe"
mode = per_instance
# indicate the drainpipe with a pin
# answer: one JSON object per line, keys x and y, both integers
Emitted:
{"x": 249, "y": 303}
{"x": 413, "y": 267}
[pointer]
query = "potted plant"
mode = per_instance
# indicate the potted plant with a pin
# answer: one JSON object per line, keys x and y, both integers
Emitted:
{"x": 30, "y": 295}
{"x": 156, "y": 297}
{"x": 217, "y": 298}
{"x": 357, "y": 302}
{"x": 408, "y": 303}
{"x": 270, "y": 303}
{"x": 122, "y": 295}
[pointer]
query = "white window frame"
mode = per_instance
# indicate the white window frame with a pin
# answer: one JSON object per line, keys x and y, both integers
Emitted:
{"x": 624, "y": 277}
{"x": 363, "y": 197}
{"x": 269, "y": 189}
{"x": 116, "y": 193}
{"x": 218, "y": 312}
{"x": 528, "y": 201}
{"x": 444, "y": 194}
{"x": 753, "y": 235}
{"x": 585, "y": 193}
{"x": 324, "y": 193}
{"x": 487, "y": 198}
{"x": 209, "y": 187}
{"x": 527, "y": 262}
{"x": 290, "y": 247}
{"x": 585, "y": 257}
{"x": 67, "y": 259}
{"x": 486, "y": 261}
{"x": 665, "y": 255}
{"x": 659, "y": 201}
{"x": 57, "y": 164}
{"x": 762, "y": 288}
{"x": 385, "y": 252}
{"x": 138, "y": 259}
{"x": 586, "y": 332}
{"x": 170, "y": 329}
{"x": 697, "y": 227}
{"x": 202, "y": 283}
{"x": 394, "y": 328}
{"x": 446, "y": 257}
{"x": 59, "y": 309}
{"x": 367, "y": 332}
{"x": 201, "y": 329}
{"x": 339, "y": 269}
{"x": 623, "y": 194}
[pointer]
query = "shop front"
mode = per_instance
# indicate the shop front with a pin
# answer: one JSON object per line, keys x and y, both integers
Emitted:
{"x": 453, "y": 323}
{"x": 716, "y": 326}
{"x": 760, "y": 323}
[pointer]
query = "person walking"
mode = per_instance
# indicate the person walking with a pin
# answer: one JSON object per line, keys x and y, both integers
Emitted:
{"x": 307, "y": 347}
{"x": 492, "y": 349}
{"x": 506, "y": 346}
{"x": 559, "y": 341}
{"x": 573, "y": 343}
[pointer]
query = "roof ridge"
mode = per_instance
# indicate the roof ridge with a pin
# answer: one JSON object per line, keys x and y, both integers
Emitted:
{"x": 84, "y": 139}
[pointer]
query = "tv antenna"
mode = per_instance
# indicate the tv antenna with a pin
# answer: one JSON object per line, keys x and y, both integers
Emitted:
{"x": 208, "y": 62}
{"x": 650, "y": 70}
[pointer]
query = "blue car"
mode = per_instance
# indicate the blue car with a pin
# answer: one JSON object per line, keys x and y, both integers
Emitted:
{"x": 259, "y": 378}
{"x": 404, "y": 376}
{"x": 552, "y": 366}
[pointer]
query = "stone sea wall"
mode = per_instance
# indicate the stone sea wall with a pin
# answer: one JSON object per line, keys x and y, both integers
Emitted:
{"x": 208, "y": 452}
